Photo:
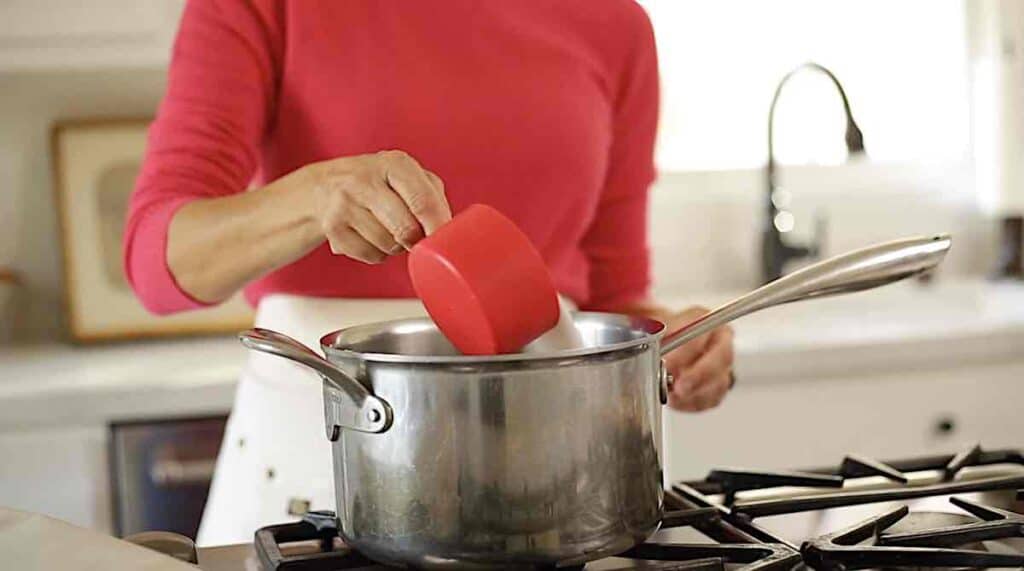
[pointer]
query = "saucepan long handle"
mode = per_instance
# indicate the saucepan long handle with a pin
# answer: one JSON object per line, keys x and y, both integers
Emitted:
{"x": 348, "y": 404}
{"x": 855, "y": 271}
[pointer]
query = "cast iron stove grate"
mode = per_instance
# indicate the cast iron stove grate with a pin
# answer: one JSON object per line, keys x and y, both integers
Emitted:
{"x": 866, "y": 544}
{"x": 743, "y": 545}
{"x": 738, "y": 549}
{"x": 729, "y": 482}
{"x": 929, "y": 548}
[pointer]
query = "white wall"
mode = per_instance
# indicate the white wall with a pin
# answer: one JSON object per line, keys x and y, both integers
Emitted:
{"x": 706, "y": 225}
{"x": 29, "y": 105}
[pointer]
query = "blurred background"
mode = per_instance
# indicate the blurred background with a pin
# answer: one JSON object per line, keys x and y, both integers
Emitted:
{"x": 888, "y": 119}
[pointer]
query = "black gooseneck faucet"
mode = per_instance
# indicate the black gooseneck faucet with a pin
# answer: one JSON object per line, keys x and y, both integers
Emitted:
{"x": 776, "y": 252}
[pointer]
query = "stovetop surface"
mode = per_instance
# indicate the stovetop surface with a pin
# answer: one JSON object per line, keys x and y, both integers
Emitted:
{"x": 955, "y": 512}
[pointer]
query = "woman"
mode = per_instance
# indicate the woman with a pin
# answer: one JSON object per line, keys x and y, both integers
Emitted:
{"x": 367, "y": 124}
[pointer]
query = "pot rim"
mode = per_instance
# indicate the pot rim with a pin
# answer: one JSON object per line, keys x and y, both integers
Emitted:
{"x": 652, "y": 328}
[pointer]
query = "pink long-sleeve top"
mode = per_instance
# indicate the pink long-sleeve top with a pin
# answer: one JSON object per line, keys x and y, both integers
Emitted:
{"x": 544, "y": 109}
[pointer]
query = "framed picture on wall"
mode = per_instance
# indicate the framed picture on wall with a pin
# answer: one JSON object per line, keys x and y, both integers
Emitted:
{"x": 95, "y": 163}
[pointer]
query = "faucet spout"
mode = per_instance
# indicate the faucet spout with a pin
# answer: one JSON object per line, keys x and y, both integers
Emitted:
{"x": 776, "y": 250}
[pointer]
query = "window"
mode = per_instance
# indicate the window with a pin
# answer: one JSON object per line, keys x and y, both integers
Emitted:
{"x": 903, "y": 65}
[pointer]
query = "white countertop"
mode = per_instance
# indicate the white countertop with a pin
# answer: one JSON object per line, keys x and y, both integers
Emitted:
{"x": 44, "y": 385}
{"x": 906, "y": 325}
{"x": 947, "y": 324}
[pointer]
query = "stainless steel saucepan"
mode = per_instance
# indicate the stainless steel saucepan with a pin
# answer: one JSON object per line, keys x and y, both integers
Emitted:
{"x": 513, "y": 461}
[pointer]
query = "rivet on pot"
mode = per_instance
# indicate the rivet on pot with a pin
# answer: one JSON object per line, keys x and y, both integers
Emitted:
{"x": 373, "y": 415}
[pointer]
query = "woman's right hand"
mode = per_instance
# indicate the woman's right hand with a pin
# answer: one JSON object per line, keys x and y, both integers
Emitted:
{"x": 367, "y": 207}
{"x": 372, "y": 206}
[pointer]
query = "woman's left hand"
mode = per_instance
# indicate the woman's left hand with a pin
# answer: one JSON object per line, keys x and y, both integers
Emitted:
{"x": 702, "y": 368}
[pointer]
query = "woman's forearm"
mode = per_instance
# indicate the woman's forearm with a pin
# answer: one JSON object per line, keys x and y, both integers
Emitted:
{"x": 367, "y": 207}
{"x": 217, "y": 245}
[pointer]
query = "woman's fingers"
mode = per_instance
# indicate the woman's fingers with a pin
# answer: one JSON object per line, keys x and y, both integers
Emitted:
{"x": 345, "y": 240}
{"x": 437, "y": 183}
{"x": 390, "y": 210}
{"x": 373, "y": 206}
{"x": 702, "y": 382}
{"x": 716, "y": 358}
{"x": 709, "y": 396}
{"x": 416, "y": 188}
{"x": 688, "y": 353}
{"x": 370, "y": 229}
{"x": 685, "y": 357}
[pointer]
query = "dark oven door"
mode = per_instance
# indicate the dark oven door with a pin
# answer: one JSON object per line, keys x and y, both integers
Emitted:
{"x": 161, "y": 472}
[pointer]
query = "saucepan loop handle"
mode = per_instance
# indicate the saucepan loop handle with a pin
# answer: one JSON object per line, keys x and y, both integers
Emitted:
{"x": 855, "y": 271}
{"x": 347, "y": 403}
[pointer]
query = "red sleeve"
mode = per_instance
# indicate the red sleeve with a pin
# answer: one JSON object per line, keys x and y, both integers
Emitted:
{"x": 205, "y": 139}
{"x": 616, "y": 242}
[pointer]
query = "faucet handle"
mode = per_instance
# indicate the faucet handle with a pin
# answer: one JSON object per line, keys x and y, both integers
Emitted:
{"x": 819, "y": 237}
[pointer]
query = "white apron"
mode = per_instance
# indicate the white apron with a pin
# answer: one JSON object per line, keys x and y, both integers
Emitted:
{"x": 275, "y": 460}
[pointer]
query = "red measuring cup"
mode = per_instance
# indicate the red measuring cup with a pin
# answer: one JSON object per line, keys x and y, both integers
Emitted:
{"x": 483, "y": 283}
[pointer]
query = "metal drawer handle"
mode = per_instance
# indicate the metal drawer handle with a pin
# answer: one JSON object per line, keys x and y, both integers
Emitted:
{"x": 170, "y": 473}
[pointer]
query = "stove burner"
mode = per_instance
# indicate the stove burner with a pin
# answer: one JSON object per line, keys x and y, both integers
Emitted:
{"x": 844, "y": 551}
{"x": 929, "y": 521}
{"x": 900, "y": 546}
{"x": 729, "y": 482}
{"x": 995, "y": 524}
{"x": 915, "y": 522}
{"x": 737, "y": 546}
{"x": 984, "y": 536}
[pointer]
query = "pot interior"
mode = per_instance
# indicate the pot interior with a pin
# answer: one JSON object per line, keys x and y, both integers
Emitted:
{"x": 419, "y": 339}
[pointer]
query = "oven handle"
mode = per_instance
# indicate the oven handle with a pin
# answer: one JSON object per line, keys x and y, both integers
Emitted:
{"x": 171, "y": 473}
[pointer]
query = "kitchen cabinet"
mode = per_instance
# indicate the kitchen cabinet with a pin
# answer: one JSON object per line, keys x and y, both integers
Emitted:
{"x": 72, "y": 35}
{"x": 61, "y": 472}
{"x": 809, "y": 423}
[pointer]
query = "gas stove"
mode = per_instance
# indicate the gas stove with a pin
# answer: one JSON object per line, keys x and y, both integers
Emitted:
{"x": 957, "y": 511}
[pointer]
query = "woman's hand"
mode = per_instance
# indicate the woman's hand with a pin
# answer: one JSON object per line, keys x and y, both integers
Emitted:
{"x": 702, "y": 368}
{"x": 372, "y": 206}
{"x": 367, "y": 207}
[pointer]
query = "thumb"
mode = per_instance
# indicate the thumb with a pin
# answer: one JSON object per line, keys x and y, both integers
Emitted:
{"x": 687, "y": 353}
